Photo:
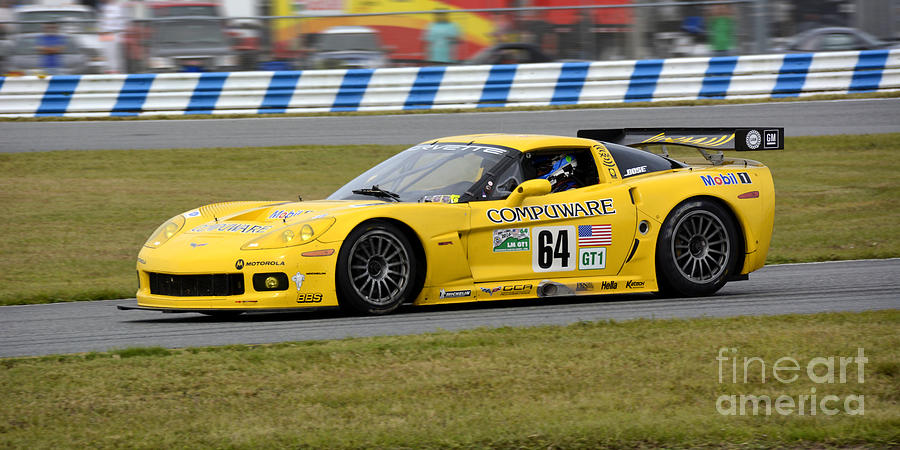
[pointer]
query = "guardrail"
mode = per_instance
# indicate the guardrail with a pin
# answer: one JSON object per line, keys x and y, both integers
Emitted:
{"x": 754, "y": 76}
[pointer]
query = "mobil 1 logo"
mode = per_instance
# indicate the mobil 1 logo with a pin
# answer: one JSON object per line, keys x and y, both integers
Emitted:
{"x": 553, "y": 249}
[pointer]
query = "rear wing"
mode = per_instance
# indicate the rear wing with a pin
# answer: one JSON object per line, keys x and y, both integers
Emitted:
{"x": 740, "y": 139}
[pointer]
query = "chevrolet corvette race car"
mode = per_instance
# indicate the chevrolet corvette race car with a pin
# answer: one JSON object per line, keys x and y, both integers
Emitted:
{"x": 482, "y": 217}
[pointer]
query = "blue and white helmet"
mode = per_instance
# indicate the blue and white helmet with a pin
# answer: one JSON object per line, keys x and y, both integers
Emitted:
{"x": 561, "y": 172}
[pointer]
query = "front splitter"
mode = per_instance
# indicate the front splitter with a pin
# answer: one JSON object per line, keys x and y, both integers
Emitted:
{"x": 135, "y": 306}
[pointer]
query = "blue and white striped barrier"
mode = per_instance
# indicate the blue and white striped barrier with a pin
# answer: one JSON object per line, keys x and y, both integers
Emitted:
{"x": 754, "y": 76}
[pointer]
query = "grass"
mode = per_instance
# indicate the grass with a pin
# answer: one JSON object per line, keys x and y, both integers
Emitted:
{"x": 607, "y": 384}
{"x": 438, "y": 110}
{"x": 74, "y": 220}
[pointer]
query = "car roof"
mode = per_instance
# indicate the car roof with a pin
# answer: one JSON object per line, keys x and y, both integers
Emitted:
{"x": 833, "y": 30}
{"x": 32, "y": 8}
{"x": 521, "y": 142}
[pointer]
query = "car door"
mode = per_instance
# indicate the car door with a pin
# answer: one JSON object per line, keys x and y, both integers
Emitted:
{"x": 584, "y": 231}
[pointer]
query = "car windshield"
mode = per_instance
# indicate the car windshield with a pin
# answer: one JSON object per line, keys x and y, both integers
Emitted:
{"x": 189, "y": 32}
{"x": 70, "y": 20}
{"x": 439, "y": 172}
{"x": 347, "y": 41}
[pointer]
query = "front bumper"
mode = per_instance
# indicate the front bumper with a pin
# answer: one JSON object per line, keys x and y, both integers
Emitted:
{"x": 310, "y": 279}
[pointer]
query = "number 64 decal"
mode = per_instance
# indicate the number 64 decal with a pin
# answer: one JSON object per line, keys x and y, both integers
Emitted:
{"x": 553, "y": 249}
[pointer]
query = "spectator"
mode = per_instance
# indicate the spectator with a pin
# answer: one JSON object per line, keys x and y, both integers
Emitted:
{"x": 503, "y": 28}
{"x": 721, "y": 31}
{"x": 112, "y": 27}
{"x": 442, "y": 37}
{"x": 584, "y": 35}
{"x": 5, "y": 16}
{"x": 50, "y": 44}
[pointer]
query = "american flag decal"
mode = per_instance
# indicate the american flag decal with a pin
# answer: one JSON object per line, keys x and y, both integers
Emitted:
{"x": 594, "y": 235}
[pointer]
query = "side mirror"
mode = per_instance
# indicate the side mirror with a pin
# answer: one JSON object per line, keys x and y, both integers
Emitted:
{"x": 528, "y": 188}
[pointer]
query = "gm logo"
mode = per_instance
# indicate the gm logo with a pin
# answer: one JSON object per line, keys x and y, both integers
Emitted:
{"x": 239, "y": 264}
{"x": 771, "y": 139}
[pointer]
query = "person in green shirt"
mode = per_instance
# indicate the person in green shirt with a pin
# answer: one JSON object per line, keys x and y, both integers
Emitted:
{"x": 442, "y": 37}
{"x": 721, "y": 31}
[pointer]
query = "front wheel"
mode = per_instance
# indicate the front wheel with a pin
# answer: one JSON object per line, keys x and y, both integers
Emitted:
{"x": 375, "y": 269}
{"x": 697, "y": 250}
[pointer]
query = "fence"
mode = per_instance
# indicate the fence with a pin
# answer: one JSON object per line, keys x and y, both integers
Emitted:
{"x": 602, "y": 30}
{"x": 753, "y": 76}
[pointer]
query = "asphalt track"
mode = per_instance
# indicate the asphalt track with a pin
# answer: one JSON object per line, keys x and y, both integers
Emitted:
{"x": 783, "y": 289}
{"x": 800, "y": 118}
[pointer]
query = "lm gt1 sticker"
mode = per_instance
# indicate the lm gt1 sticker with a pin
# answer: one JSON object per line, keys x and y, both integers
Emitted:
{"x": 512, "y": 240}
{"x": 552, "y": 211}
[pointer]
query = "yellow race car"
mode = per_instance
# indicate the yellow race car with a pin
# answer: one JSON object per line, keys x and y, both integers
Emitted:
{"x": 482, "y": 217}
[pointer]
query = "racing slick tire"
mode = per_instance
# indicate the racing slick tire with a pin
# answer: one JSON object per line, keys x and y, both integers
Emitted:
{"x": 697, "y": 250}
{"x": 376, "y": 269}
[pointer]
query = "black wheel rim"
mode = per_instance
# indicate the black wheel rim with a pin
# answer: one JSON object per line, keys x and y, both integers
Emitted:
{"x": 379, "y": 267}
{"x": 701, "y": 247}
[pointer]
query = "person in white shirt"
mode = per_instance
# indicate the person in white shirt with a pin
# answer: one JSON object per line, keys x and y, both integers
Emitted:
{"x": 6, "y": 16}
{"x": 112, "y": 28}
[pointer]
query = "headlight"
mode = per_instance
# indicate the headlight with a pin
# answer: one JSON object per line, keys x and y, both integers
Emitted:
{"x": 157, "y": 62}
{"x": 296, "y": 234}
{"x": 165, "y": 232}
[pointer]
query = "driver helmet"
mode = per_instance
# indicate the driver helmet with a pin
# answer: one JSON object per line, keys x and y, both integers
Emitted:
{"x": 559, "y": 172}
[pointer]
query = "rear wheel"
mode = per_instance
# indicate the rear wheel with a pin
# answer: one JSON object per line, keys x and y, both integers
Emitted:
{"x": 375, "y": 269}
{"x": 697, "y": 250}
